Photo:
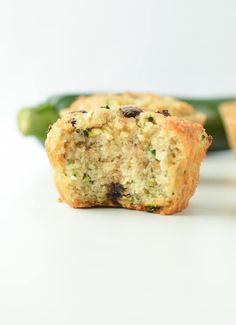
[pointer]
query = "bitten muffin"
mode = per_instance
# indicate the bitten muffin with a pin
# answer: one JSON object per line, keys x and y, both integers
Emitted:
{"x": 146, "y": 101}
{"x": 127, "y": 157}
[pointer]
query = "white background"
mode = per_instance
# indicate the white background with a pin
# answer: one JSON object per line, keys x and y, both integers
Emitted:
{"x": 110, "y": 266}
{"x": 179, "y": 47}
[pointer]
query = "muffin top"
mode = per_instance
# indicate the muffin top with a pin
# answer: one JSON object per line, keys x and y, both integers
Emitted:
{"x": 146, "y": 101}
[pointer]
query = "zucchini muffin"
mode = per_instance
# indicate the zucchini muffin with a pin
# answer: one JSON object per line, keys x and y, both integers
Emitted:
{"x": 228, "y": 115}
{"x": 126, "y": 157}
{"x": 146, "y": 101}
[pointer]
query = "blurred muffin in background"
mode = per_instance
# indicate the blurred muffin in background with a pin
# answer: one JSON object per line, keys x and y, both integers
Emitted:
{"x": 146, "y": 101}
{"x": 228, "y": 115}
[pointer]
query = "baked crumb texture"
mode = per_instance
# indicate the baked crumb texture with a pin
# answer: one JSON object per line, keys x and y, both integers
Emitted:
{"x": 126, "y": 157}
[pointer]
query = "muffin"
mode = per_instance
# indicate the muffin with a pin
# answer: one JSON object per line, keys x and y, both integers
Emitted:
{"x": 228, "y": 115}
{"x": 146, "y": 101}
{"x": 126, "y": 156}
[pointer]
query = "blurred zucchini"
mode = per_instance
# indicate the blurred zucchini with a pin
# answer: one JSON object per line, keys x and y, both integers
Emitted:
{"x": 62, "y": 101}
{"x": 35, "y": 120}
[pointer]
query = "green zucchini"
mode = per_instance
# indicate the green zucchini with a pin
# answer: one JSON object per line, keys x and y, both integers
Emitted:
{"x": 62, "y": 101}
{"x": 36, "y": 120}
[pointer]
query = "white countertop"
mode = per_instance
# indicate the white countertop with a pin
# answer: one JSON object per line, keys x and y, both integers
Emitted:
{"x": 112, "y": 266}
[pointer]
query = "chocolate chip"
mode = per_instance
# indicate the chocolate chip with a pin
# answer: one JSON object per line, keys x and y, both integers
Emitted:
{"x": 150, "y": 119}
{"x": 130, "y": 111}
{"x": 80, "y": 111}
{"x": 73, "y": 122}
{"x": 114, "y": 192}
{"x": 164, "y": 112}
{"x": 152, "y": 208}
{"x": 85, "y": 133}
{"x": 106, "y": 106}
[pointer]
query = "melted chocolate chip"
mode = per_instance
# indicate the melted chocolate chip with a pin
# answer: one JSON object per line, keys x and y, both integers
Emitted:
{"x": 164, "y": 112}
{"x": 73, "y": 122}
{"x": 114, "y": 192}
{"x": 130, "y": 111}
